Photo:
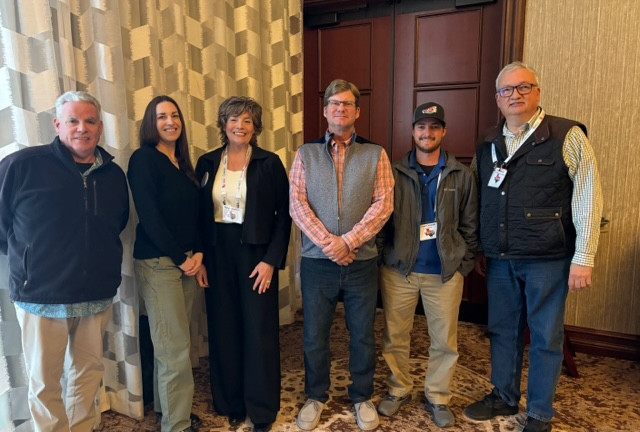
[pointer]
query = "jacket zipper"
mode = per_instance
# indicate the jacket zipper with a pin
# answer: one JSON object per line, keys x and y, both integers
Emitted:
{"x": 85, "y": 188}
{"x": 95, "y": 197}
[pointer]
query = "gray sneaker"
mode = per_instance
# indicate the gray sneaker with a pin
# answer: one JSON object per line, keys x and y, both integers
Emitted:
{"x": 366, "y": 415}
{"x": 442, "y": 415}
{"x": 309, "y": 414}
{"x": 391, "y": 404}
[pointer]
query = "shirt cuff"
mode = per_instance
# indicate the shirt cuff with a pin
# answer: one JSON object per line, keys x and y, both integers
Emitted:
{"x": 583, "y": 259}
{"x": 351, "y": 240}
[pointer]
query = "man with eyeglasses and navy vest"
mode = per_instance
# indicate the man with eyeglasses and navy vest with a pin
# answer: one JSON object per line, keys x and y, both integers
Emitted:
{"x": 540, "y": 210}
{"x": 341, "y": 195}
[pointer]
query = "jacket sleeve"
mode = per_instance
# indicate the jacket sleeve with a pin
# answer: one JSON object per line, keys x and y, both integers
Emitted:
{"x": 125, "y": 196}
{"x": 277, "y": 249}
{"x": 203, "y": 239}
{"x": 143, "y": 188}
{"x": 6, "y": 203}
{"x": 468, "y": 225}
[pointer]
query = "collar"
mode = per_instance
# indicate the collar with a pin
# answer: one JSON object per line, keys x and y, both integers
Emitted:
{"x": 531, "y": 123}
{"x": 328, "y": 136}
{"x": 413, "y": 163}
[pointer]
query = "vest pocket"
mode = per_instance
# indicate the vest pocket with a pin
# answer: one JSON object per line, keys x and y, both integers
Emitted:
{"x": 531, "y": 213}
{"x": 536, "y": 160}
{"x": 544, "y": 233}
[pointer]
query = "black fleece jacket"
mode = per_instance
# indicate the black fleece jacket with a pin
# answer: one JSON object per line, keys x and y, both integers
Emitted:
{"x": 60, "y": 230}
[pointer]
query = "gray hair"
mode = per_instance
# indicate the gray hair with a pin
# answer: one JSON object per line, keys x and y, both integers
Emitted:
{"x": 515, "y": 66}
{"x": 76, "y": 96}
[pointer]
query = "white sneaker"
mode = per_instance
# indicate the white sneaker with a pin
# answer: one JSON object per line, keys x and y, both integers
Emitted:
{"x": 366, "y": 415}
{"x": 309, "y": 414}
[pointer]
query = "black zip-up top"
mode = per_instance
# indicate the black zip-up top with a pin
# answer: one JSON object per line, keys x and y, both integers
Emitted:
{"x": 60, "y": 230}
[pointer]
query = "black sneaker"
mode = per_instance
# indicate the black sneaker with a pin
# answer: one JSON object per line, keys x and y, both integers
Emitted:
{"x": 491, "y": 406}
{"x": 535, "y": 425}
{"x": 262, "y": 427}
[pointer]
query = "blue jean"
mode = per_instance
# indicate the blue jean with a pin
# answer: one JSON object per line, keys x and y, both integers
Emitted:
{"x": 531, "y": 292}
{"x": 322, "y": 282}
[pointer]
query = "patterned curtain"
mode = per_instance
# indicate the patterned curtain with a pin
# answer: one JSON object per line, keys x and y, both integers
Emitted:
{"x": 125, "y": 52}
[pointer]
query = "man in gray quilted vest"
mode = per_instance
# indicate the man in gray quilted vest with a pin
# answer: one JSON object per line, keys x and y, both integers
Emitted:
{"x": 341, "y": 195}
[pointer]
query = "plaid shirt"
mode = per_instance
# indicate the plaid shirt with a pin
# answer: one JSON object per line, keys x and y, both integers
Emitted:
{"x": 372, "y": 221}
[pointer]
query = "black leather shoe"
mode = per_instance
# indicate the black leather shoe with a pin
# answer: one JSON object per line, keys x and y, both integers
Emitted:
{"x": 535, "y": 425}
{"x": 490, "y": 406}
{"x": 262, "y": 427}
{"x": 235, "y": 421}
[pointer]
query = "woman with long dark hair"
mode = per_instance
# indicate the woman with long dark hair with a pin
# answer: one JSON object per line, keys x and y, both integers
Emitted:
{"x": 167, "y": 254}
{"x": 245, "y": 203}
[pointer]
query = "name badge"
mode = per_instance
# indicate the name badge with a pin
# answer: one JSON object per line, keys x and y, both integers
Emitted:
{"x": 428, "y": 231}
{"x": 497, "y": 177}
{"x": 232, "y": 214}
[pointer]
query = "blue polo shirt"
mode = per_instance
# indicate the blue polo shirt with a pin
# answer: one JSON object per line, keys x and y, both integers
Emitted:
{"x": 428, "y": 260}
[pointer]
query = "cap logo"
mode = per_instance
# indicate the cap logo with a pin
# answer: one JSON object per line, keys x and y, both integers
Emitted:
{"x": 430, "y": 110}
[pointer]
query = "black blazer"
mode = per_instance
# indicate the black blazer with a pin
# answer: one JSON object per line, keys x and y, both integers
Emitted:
{"x": 266, "y": 217}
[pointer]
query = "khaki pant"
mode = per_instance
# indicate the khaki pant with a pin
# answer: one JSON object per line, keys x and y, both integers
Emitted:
{"x": 441, "y": 303}
{"x": 46, "y": 343}
{"x": 168, "y": 297}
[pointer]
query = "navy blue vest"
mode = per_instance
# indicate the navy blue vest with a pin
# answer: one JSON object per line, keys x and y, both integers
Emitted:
{"x": 529, "y": 215}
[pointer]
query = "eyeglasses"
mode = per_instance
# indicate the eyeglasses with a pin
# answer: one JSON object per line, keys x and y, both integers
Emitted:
{"x": 337, "y": 103}
{"x": 523, "y": 89}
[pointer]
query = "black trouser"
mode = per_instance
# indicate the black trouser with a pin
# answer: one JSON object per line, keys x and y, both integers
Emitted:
{"x": 244, "y": 348}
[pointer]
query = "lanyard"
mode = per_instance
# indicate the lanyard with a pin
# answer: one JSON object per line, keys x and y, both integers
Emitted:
{"x": 223, "y": 180}
{"x": 526, "y": 136}
{"x": 435, "y": 198}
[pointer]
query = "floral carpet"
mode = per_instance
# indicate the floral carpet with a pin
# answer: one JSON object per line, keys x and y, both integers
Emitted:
{"x": 605, "y": 398}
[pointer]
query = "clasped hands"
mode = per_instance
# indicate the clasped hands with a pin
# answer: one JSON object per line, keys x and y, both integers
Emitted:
{"x": 336, "y": 249}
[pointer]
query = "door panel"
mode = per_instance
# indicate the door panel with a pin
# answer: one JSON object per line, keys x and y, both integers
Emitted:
{"x": 444, "y": 53}
{"x": 360, "y": 52}
{"x": 460, "y": 106}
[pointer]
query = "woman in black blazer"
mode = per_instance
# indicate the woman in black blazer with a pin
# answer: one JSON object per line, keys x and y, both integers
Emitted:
{"x": 246, "y": 223}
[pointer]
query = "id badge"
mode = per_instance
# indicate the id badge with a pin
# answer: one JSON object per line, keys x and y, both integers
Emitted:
{"x": 428, "y": 231}
{"x": 232, "y": 214}
{"x": 497, "y": 177}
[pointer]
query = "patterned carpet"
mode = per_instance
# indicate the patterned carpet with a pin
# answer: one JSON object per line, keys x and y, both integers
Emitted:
{"x": 605, "y": 398}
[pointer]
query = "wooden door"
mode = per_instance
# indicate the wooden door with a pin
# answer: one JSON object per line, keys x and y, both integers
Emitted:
{"x": 358, "y": 51}
{"x": 450, "y": 57}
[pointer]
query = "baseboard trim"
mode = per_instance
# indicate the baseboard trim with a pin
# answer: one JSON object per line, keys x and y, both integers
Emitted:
{"x": 603, "y": 343}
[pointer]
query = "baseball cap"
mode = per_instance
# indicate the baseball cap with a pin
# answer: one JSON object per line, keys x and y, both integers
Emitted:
{"x": 429, "y": 110}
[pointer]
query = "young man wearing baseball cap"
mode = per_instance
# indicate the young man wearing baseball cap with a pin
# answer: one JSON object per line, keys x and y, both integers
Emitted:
{"x": 428, "y": 246}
